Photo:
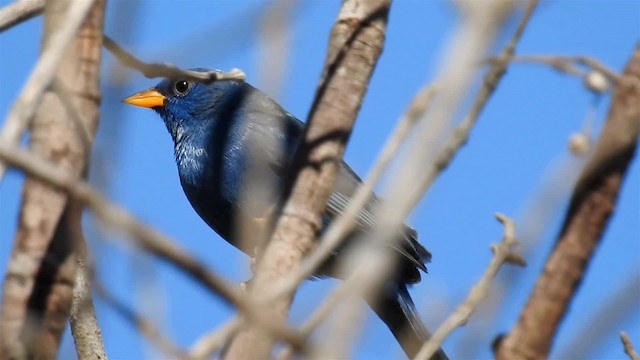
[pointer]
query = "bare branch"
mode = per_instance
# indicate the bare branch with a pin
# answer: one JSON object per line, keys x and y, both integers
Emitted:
{"x": 600, "y": 323}
{"x": 143, "y": 236}
{"x": 592, "y": 203}
{"x": 84, "y": 324}
{"x": 354, "y": 46}
{"x": 42, "y": 75}
{"x": 143, "y": 325}
{"x": 471, "y": 41}
{"x": 38, "y": 284}
{"x": 209, "y": 343}
{"x": 19, "y": 11}
{"x": 341, "y": 226}
{"x": 167, "y": 70}
{"x": 502, "y": 253}
{"x": 628, "y": 346}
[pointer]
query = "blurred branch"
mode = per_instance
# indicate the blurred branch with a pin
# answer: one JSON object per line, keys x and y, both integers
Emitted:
{"x": 38, "y": 285}
{"x": 603, "y": 321}
{"x": 340, "y": 227}
{"x": 42, "y": 75}
{"x": 84, "y": 324}
{"x": 628, "y": 346}
{"x": 597, "y": 77}
{"x": 502, "y": 253}
{"x": 19, "y": 11}
{"x": 151, "y": 70}
{"x": 144, "y": 326}
{"x": 470, "y": 42}
{"x": 592, "y": 203}
{"x": 209, "y": 343}
{"x": 355, "y": 44}
{"x": 144, "y": 236}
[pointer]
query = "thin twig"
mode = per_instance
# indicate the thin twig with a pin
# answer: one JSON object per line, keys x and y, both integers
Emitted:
{"x": 144, "y": 326}
{"x": 84, "y": 325}
{"x": 355, "y": 43}
{"x": 18, "y": 12}
{"x": 144, "y": 236}
{"x": 502, "y": 253}
{"x": 42, "y": 75}
{"x": 470, "y": 42}
{"x": 596, "y": 327}
{"x": 569, "y": 64}
{"x": 152, "y": 70}
{"x": 209, "y": 343}
{"x": 341, "y": 226}
{"x": 593, "y": 201}
{"x": 628, "y": 346}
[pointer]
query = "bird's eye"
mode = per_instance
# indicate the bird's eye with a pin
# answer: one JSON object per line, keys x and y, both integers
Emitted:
{"x": 181, "y": 87}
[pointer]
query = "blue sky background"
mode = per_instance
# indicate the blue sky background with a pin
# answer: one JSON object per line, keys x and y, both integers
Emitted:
{"x": 516, "y": 157}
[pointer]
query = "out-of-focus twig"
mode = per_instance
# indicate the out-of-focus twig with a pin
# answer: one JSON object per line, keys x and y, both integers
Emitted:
{"x": 42, "y": 75}
{"x": 154, "y": 242}
{"x": 628, "y": 346}
{"x": 208, "y": 343}
{"x": 470, "y": 42}
{"x": 568, "y": 64}
{"x": 592, "y": 203}
{"x": 84, "y": 324}
{"x": 340, "y": 227}
{"x": 37, "y": 291}
{"x": 19, "y": 11}
{"x": 143, "y": 325}
{"x": 151, "y": 70}
{"x": 355, "y": 44}
{"x": 502, "y": 253}
{"x": 603, "y": 321}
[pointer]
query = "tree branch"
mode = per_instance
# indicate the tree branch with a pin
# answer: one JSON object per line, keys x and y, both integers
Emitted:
{"x": 628, "y": 346}
{"x": 592, "y": 203}
{"x": 38, "y": 286}
{"x": 19, "y": 11}
{"x": 42, "y": 75}
{"x": 354, "y": 46}
{"x": 502, "y": 253}
{"x": 151, "y": 70}
{"x": 143, "y": 236}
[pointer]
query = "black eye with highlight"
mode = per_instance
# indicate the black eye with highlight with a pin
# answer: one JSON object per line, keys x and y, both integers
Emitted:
{"x": 181, "y": 87}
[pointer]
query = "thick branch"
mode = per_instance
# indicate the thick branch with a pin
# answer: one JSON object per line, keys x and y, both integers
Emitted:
{"x": 39, "y": 280}
{"x": 592, "y": 203}
{"x": 58, "y": 40}
{"x": 354, "y": 46}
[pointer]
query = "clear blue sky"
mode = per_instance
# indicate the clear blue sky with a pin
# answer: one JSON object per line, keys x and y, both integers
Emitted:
{"x": 514, "y": 154}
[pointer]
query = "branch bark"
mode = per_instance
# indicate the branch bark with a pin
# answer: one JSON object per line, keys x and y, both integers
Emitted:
{"x": 355, "y": 44}
{"x": 19, "y": 11}
{"x": 592, "y": 203}
{"x": 38, "y": 285}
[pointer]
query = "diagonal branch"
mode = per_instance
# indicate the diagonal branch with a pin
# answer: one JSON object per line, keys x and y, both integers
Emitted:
{"x": 592, "y": 203}
{"x": 151, "y": 70}
{"x": 502, "y": 253}
{"x": 19, "y": 11}
{"x": 143, "y": 236}
{"x": 42, "y": 75}
{"x": 355, "y": 44}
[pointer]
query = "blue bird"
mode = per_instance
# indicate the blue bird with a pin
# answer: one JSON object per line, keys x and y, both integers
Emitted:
{"x": 228, "y": 134}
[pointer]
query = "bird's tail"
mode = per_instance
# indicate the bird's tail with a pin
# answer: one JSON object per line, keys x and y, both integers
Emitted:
{"x": 395, "y": 307}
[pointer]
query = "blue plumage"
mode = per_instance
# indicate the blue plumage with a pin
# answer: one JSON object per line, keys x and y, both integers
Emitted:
{"x": 228, "y": 136}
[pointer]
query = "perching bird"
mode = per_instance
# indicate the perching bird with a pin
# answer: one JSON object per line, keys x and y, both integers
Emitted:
{"x": 226, "y": 135}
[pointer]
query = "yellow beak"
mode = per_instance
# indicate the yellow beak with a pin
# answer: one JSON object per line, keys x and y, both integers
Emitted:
{"x": 149, "y": 98}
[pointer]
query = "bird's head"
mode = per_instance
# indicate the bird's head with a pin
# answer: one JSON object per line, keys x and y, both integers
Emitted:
{"x": 185, "y": 105}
